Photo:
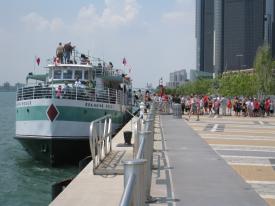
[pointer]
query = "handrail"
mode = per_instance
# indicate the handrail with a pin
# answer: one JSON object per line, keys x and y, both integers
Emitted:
{"x": 128, "y": 191}
{"x": 100, "y": 139}
{"x": 144, "y": 153}
{"x": 141, "y": 148}
{"x": 136, "y": 128}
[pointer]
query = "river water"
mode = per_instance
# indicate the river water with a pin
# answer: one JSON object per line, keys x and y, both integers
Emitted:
{"x": 23, "y": 181}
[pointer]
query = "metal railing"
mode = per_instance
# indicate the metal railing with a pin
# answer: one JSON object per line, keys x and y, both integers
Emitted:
{"x": 100, "y": 139}
{"x": 138, "y": 172}
{"x": 111, "y": 96}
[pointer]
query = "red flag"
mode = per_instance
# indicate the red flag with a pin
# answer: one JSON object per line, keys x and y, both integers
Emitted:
{"x": 38, "y": 61}
{"x": 124, "y": 61}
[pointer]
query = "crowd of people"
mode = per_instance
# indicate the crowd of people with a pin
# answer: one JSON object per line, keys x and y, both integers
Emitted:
{"x": 204, "y": 104}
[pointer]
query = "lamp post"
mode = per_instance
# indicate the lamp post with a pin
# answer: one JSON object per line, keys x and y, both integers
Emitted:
{"x": 160, "y": 81}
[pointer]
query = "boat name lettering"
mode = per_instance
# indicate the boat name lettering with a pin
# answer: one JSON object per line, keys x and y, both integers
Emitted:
{"x": 25, "y": 103}
{"x": 98, "y": 105}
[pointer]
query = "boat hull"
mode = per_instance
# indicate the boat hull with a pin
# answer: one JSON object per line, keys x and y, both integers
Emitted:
{"x": 56, "y": 131}
{"x": 56, "y": 151}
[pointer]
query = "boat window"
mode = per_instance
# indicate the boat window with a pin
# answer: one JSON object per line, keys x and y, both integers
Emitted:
{"x": 86, "y": 74}
{"x": 78, "y": 73}
{"x": 57, "y": 74}
{"x": 67, "y": 74}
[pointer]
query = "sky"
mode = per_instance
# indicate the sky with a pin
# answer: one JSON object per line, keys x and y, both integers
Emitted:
{"x": 155, "y": 36}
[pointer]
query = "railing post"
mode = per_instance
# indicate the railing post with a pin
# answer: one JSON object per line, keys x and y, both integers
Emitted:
{"x": 76, "y": 92}
{"x": 53, "y": 92}
{"x": 33, "y": 91}
{"x": 149, "y": 124}
{"x": 150, "y": 159}
{"x": 137, "y": 128}
{"x": 110, "y": 132}
{"x": 137, "y": 168}
{"x": 147, "y": 155}
{"x": 108, "y": 95}
{"x": 105, "y": 132}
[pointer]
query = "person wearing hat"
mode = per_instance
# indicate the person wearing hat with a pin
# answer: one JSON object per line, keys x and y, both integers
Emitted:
{"x": 59, "y": 52}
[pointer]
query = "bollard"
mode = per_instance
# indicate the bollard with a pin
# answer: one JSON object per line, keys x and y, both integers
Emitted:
{"x": 136, "y": 168}
{"x": 177, "y": 112}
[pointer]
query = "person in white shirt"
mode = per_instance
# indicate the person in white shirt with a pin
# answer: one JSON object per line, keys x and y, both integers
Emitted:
{"x": 77, "y": 82}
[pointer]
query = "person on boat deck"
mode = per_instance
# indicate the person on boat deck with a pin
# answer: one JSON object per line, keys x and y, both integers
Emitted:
{"x": 66, "y": 88}
{"x": 59, "y": 92}
{"x": 84, "y": 59}
{"x": 77, "y": 83}
{"x": 59, "y": 52}
{"x": 68, "y": 49}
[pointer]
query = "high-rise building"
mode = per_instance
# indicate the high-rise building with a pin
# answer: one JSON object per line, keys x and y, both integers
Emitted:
{"x": 177, "y": 78}
{"x": 243, "y": 32}
{"x": 218, "y": 36}
{"x": 204, "y": 34}
{"x": 229, "y": 33}
{"x": 269, "y": 25}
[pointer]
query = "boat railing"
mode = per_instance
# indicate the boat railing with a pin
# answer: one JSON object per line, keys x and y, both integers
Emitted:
{"x": 100, "y": 139}
{"x": 111, "y": 96}
{"x": 138, "y": 172}
{"x": 101, "y": 68}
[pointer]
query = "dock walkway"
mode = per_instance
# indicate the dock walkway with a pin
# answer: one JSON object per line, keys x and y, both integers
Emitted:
{"x": 199, "y": 175}
{"x": 194, "y": 164}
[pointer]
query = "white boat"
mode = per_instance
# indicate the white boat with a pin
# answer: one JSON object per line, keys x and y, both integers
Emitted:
{"x": 54, "y": 115}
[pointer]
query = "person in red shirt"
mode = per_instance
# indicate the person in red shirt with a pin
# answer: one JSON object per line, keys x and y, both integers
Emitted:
{"x": 165, "y": 104}
{"x": 205, "y": 103}
{"x": 256, "y": 105}
{"x": 267, "y": 106}
{"x": 229, "y": 106}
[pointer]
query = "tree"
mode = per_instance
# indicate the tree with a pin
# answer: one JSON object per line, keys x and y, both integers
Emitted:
{"x": 238, "y": 84}
{"x": 263, "y": 67}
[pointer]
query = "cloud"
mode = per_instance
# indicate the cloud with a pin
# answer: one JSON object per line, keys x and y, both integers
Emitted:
{"x": 178, "y": 17}
{"x": 184, "y": 14}
{"x": 173, "y": 16}
{"x": 115, "y": 14}
{"x": 34, "y": 21}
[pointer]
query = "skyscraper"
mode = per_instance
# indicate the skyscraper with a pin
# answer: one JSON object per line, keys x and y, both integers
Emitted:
{"x": 269, "y": 31}
{"x": 243, "y": 32}
{"x": 218, "y": 36}
{"x": 229, "y": 33}
{"x": 204, "y": 34}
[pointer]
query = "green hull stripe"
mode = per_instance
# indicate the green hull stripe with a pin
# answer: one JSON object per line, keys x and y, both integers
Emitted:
{"x": 31, "y": 113}
{"x": 66, "y": 114}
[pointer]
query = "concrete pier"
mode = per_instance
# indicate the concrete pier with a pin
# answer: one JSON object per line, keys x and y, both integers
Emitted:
{"x": 90, "y": 189}
{"x": 214, "y": 161}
